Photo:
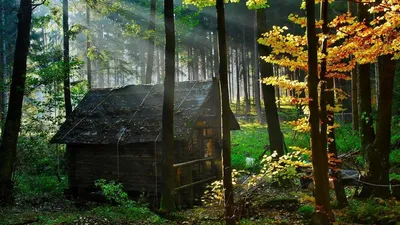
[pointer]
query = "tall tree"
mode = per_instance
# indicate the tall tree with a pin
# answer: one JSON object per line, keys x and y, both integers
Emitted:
{"x": 257, "y": 72}
{"x": 327, "y": 114}
{"x": 3, "y": 56}
{"x": 67, "y": 69}
{"x": 167, "y": 196}
{"x": 88, "y": 41}
{"x": 245, "y": 74}
{"x": 9, "y": 139}
{"x": 268, "y": 91}
{"x": 226, "y": 146}
{"x": 324, "y": 213}
{"x": 379, "y": 150}
{"x": 151, "y": 43}
{"x": 367, "y": 133}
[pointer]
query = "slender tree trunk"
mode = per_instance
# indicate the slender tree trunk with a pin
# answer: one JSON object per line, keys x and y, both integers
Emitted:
{"x": 378, "y": 153}
{"x": 216, "y": 63}
{"x": 367, "y": 133}
{"x": 245, "y": 83}
{"x": 245, "y": 75}
{"x": 223, "y": 71}
{"x": 354, "y": 101}
{"x": 324, "y": 213}
{"x": 190, "y": 63}
{"x": 67, "y": 70}
{"x": 88, "y": 41}
{"x": 232, "y": 74}
{"x": 142, "y": 59}
{"x": 8, "y": 147}
{"x": 328, "y": 117}
{"x": 211, "y": 58}
{"x": 271, "y": 111}
{"x": 195, "y": 62}
{"x": 3, "y": 58}
{"x": 237, "y": 82}
{"x": 257, "y": 72}
{"x": 167, "y": 198}
{"x": 177, "y": 69}
{"x": 158, "y": 66}
{"x": 150, "y": 53}
{"x": 203, "y": 63}
{"x": 162, "y": 56}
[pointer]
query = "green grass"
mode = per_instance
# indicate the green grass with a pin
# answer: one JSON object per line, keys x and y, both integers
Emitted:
{"x": 248, "y": 142}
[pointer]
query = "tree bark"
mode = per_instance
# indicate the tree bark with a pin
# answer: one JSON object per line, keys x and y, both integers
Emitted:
{"x": 367, "y": 134}
{"x": 88, "y": 42}
{"x": 244, "y": 72}
{"x": 167, "y": 204}
{"x": 378, "y": 153}
{"x": 216, "y": 63}
{"x": 203, "y": 63}
{"x": 271, "y": 111}
{"x": 67, "y": 69}
{"x": 150, "y": 53}
{"x": 323, "y": 214}
{"x": 328, "y": 98}
{"x": 257, "y": 72}
{"x": 3, "y": 58}
{"x": 226, "y": 146}
{"x": 8, "y": 145}
{"x": 245, "y": 82}
{"x": 237, "y": 82}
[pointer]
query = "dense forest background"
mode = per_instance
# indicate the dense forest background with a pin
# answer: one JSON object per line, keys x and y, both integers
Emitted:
{"x": 79, "y": 45}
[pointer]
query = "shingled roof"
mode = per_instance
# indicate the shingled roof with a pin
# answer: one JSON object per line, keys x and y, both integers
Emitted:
{"x": 133, "y": 114}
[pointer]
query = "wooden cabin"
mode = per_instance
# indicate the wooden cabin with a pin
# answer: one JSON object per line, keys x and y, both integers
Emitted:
{"x": 115, "y": 134}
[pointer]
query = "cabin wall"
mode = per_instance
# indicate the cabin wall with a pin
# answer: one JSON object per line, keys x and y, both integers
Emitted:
{"x": 138, "y": 164}
{"x": 133, "y": 165}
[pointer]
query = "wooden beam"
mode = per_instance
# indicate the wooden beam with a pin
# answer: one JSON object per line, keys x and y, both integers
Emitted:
{"x": 194, "y": 161}
{"x": 194, "y": 183}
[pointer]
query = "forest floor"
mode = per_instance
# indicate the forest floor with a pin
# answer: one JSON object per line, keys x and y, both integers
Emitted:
{"x": 40, "y": 198}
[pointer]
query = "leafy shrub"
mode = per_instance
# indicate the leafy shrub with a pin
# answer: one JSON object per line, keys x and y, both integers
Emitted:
{"x": 35, "y": 189}
{"x": 114, "y": 192}
{"x": 306, "y": 211}
{"x": 284, "y": 169}
{"x": 394, "y": 158}
{"x": 346, "y": 139}
{"x": 374, "y": 211}
{"x": 126, "y": 210}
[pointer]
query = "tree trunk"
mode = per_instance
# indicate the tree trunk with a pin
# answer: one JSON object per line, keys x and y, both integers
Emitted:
{"x": 216, "y": 63}
{"x": 167, "y": 204}
{"x": 177, "y": 69}
{"x": 378, "y": 152}
{"x": 354, "y": 101}
{"x": 9, "y": 139}
{"x": 203, "y": 63}
{"x": 271, "y": 111}
{"x": 245, "y": 82}
{"x": 328, "y": 117}
{"x": 3, "y": 58}
{"x": 257, "y": 72}
{"x": 162, "y": 56}
{"x": 158, "y": 57}
{"x": 88, "y": 41}
{"x": 237, "y": 82}
{"x": 226, "y": 147}
{"x": 211, "y": 58}
{"x": 367, "y": 133}
{"x": 324, "y": 213}
{"x": 150, "y": 52}
{"x": 67, "y": 69}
